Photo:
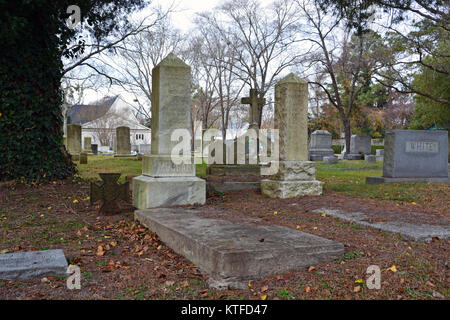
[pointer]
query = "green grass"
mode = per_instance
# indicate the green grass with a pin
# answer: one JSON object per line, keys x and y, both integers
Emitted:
{"x": 345, "y": 177}
{"x": 127, "y": 166}
{"x": 348, "y": 177}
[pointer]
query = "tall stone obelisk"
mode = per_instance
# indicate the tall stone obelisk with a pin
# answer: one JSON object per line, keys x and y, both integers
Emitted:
{"x": 163, "y": 182}
{"x": 296, "y": 175}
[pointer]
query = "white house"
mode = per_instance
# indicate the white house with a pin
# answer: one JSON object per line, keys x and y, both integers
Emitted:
{"x": 100, "y": 120}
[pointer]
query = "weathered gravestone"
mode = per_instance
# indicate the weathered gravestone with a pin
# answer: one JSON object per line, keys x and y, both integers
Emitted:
{"x": 94, "y": 149}
{"x": 74, "y": 141}
{"x": 359, "y": 146}
{"x": 87, "y": 145}
{"x": 122, "y": 145}
{"x": 296, "y": 175}
{"x": 414, "y": 155}
{"x": 83, "y": 158}
{"x": 31, "y": 265}
{"x": 164, "y": 183}
{"x": 230, "y": 165}
{"x": 255, "y": 104}
{"x": 233, "y": 253}
{"x": 330, "y": 160}
{"x": 320, "y": 145}
{"x": 109, "y": 192}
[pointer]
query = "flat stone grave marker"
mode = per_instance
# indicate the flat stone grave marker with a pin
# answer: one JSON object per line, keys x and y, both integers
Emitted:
{"x": 415, "y": 232}
{"x": 33, "y": 264}
{"x": 109, "y": 192}
{"x": 234, "y": 253}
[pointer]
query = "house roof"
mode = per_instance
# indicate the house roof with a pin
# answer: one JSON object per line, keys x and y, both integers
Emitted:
{"x": 80, "y": 114}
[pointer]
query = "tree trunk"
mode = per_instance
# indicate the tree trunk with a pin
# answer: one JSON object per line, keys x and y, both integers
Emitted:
{"x": 347, "y": 133}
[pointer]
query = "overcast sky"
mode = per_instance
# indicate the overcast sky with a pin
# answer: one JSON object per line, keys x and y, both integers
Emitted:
{"x": 182, "y": 18}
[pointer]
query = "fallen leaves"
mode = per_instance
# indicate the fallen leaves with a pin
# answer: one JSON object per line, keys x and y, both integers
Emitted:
{"x": 311, "y": 268}
{"x": 393, "y": 268}
{"x": 357, "y": 289}
{"x": 100, "y": 251}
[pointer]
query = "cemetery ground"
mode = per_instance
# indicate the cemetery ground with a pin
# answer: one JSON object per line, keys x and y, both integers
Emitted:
{"x": 119, "y": 259}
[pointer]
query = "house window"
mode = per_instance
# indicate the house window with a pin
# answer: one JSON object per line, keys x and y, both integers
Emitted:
{"x": 139, "y": 136}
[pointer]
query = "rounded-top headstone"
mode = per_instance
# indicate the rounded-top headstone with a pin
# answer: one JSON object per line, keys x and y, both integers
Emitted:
{"x": 320, "y": 145}
{"x": 74, "y": 138}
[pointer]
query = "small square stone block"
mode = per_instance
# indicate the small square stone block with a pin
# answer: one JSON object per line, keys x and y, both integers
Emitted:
{"x": 370, "y": 158}
{"x": 330, "y": 160}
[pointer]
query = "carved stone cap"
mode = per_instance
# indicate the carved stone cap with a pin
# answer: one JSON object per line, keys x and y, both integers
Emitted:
{"x": 292, "y": 78}
{"x": 173, "y": 61}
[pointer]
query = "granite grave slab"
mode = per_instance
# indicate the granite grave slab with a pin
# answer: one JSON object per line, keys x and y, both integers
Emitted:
{"x": 234, "y": 253}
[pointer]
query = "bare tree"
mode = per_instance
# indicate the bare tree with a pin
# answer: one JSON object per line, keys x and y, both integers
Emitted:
{"x": 217, "y": 76}
{"x": 260, "y": 38}
{"x": 130, "y": 64}
{"x": 346, "y": 61}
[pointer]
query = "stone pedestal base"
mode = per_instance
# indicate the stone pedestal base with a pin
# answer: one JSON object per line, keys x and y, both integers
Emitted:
{"x": 290, "y": 189}
{"x": 293, "y": 179}
{"x": 163, "y": 166}
{"x": 151, "y": 192}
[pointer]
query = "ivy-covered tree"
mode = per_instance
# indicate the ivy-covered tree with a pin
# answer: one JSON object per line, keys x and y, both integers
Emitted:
{"x": 428, "y": 112}
{"x": 34, "y": 37}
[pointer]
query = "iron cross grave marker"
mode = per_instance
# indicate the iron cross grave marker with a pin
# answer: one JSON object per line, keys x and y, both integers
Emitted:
{"x": 109, "y": 192}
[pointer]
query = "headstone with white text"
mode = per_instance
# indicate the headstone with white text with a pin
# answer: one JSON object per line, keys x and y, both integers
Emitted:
{"x": 414, "y": 155}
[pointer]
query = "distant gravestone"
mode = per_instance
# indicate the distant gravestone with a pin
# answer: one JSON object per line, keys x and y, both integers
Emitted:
{"x": 414, "y": 155}
{"x": 359, "y": 146}
{"x": 320, "y": 145}
{"x": 74, "y": 140}
{"x": 379, "y": 154}
{"x": 83, "y": 158}
{"x": 87, "y": 144}
{"x": 31, "y": 265}
{"x": 330, "y": 160}
{"x": 122, "y": 147}
{"x": 109, "y": 192}
{"x": 94, "y": 148}
{"x": 296, "y": 175}
{"x": 370, "y": 158}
